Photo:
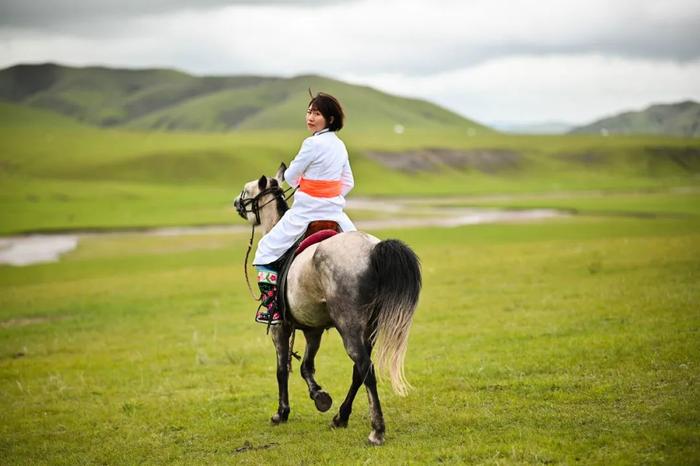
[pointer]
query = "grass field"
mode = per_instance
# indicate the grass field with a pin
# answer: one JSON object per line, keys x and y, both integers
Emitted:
{"x": 568, "y": 341}
{"x": 56, "y": 174}
{"x": 573, "y": 340}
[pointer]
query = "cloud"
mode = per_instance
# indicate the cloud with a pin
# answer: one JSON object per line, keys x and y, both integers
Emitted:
{"x": 576, "y": 89}
{"x": 479, "y": 57}
{"x": 413, "y": 36}
{"x": 53, "y": 14}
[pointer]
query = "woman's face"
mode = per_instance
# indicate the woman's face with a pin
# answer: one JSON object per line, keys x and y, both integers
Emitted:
{"x": 314, "y": 120}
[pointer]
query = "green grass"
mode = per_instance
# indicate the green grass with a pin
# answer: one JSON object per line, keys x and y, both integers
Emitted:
{"x": 569, "y": 341}
{"x": 680, "y": 202}
{"x": 56, "y": 174}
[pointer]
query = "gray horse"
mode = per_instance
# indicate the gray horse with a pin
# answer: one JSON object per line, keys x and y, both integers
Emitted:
{"x": 366, "y": 288}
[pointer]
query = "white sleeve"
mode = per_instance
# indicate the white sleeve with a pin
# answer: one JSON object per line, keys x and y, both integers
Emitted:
{"x": 346, "y": 179}
{"x": 302, "y": 160}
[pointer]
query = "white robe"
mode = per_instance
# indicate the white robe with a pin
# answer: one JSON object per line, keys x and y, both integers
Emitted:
{"x": 322, "y": 157}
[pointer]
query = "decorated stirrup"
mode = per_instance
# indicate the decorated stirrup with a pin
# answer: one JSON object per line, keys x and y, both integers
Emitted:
{"x": 264, "y": 316}
{"x": 267, "y": 312}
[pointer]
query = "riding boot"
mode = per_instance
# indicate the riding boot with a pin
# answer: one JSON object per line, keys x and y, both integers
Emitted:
{"x": 268, "y": 311}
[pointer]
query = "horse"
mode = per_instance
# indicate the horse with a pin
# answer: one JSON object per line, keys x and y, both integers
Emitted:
{"x": 365, "y": 288}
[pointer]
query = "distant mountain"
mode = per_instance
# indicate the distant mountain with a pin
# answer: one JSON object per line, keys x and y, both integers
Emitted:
{"x": 678, "y": 119}
{"x": 546, "y": 127}
{"x": 170, "y": 100}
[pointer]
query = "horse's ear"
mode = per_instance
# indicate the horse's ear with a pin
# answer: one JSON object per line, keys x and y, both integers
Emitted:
{"x": 262, "y": 182}
{"x": 279, "y": 176}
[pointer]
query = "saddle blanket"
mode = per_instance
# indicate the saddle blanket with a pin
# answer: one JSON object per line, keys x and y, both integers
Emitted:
{"x": 313, "y": 239}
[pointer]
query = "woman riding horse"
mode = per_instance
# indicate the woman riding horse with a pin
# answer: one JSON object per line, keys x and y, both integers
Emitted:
{"x": 365, "y": 288}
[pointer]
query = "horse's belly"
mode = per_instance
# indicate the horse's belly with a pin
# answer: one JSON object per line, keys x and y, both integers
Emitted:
{"x": 310, "y": 314}
{"x": 307, "y": 302}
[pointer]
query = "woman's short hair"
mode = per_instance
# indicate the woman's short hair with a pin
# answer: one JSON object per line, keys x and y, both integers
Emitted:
{"x": 330, "y": 109}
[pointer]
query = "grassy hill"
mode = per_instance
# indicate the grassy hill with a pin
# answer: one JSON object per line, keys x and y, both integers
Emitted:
{"x": 104, "y": 96}
{"x": 57, "y": 174}
{"x": 677, "y": 119}
{"x": 174, "y": 101}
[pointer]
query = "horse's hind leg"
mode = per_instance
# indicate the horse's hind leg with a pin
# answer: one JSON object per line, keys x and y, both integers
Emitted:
{"x": 322, "y": 399}
{"x": 341, "y": 419}
{"x": 280, "y": 336}
{"x": 376, "y": 437}
{"x": 359, "y": 351}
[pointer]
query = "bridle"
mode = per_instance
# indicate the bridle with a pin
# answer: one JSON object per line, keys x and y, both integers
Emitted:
{"x": 252, "y": 205}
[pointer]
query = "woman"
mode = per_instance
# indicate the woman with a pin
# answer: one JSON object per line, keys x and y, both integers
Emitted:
{"x": 322, "y": 173}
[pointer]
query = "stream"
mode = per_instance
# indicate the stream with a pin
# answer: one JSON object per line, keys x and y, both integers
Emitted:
{"x": 40, "y": 248}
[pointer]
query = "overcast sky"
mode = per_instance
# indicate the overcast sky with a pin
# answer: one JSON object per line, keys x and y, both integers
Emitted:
{"x": 514, "y": 61}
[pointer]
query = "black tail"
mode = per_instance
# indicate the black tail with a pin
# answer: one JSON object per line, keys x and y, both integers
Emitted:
{"x": 395, "y": 283}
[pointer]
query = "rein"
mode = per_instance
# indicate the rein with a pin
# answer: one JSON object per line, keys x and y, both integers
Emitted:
{"x": 255, "y": 208}
{"x": 245, "y": 266}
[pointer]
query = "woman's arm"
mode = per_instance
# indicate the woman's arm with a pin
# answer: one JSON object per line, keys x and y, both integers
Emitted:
{"x": 346, "y": 179}
{"x": 302, "y": 160}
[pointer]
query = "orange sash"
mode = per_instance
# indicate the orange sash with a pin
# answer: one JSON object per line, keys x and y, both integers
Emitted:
{"x": 321, "y": 188}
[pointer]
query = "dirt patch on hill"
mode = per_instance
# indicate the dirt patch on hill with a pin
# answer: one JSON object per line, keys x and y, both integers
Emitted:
{"x": 686, "y": 157}
{"x": 7, "y": 167}
{"x": 483, "y": 160}
{"x": 24, "y": 321}
{"x": 588, "y": 158}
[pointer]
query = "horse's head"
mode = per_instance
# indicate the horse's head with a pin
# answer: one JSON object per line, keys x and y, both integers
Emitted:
{"x": 262, "y": 201}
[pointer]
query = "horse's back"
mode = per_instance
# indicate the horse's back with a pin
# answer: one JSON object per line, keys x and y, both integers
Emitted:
{"x": 326, "y": 273}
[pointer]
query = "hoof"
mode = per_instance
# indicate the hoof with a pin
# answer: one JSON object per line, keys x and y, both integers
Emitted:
{"x": 337, "y": 422}
{"x": 323, "y": 401}
{"x": 278, "y": 418}
{"x": 376, "y": 438}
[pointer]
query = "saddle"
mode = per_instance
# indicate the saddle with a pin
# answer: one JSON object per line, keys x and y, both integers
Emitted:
{"x": 316, "y": 232}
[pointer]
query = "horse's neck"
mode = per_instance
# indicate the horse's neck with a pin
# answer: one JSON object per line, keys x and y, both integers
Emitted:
{"x": 269, "y": 217}
{"x": 267, "y": 225}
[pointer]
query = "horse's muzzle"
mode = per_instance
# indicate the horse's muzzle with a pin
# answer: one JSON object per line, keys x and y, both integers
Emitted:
{"x": 238, "y": 205}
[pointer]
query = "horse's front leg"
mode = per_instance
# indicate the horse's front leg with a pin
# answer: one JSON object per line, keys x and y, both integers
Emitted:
{"x": 322, "y": 399}
{"x": 280, "y": 336}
